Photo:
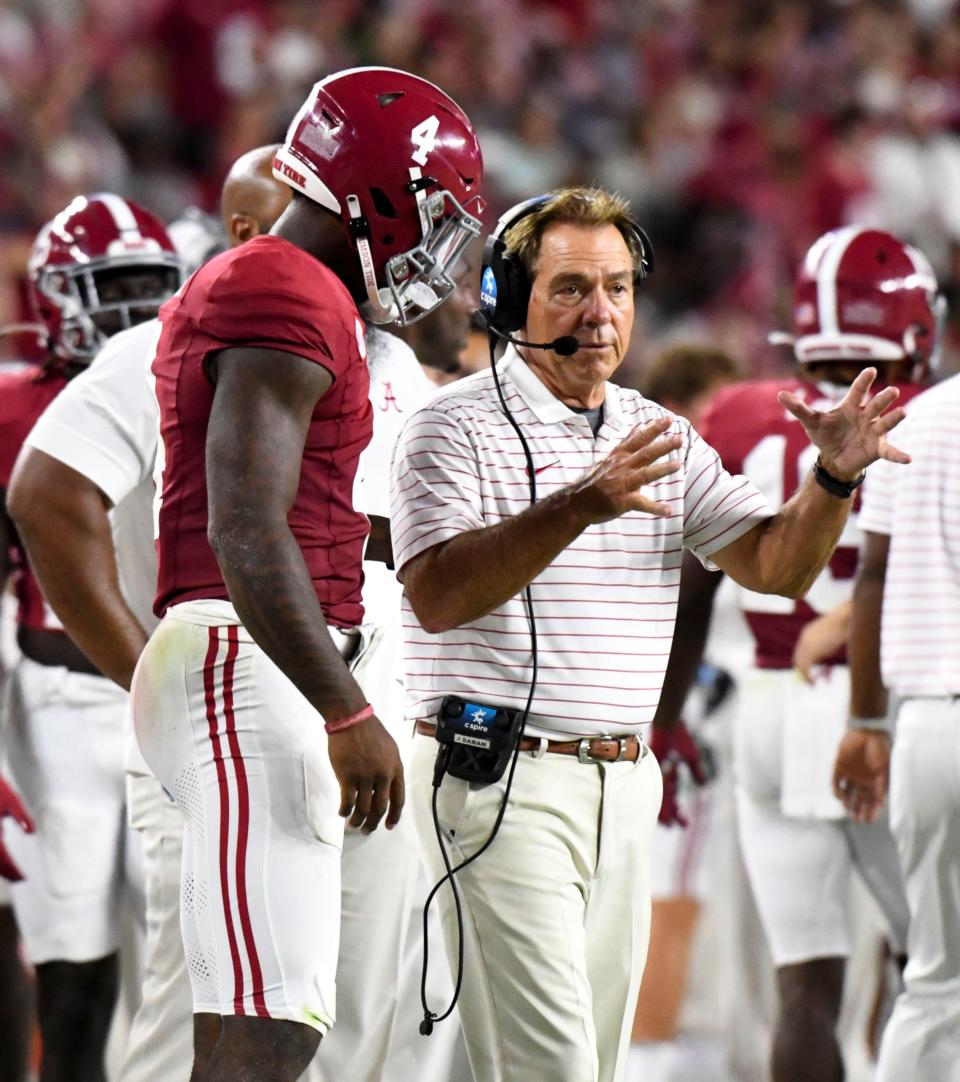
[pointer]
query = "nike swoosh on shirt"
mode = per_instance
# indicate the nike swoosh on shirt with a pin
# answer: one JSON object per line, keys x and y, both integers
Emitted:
{"x": 540, "y": 469}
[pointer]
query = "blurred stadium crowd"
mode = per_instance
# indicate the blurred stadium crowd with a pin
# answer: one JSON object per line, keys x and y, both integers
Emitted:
{"x": 739, "y": 129}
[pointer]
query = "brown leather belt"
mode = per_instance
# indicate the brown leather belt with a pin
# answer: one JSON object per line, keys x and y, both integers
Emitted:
{"x": 591, "y": 749}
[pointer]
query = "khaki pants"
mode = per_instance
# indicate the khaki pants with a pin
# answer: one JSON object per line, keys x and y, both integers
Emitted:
{"x": 556, "y": 911}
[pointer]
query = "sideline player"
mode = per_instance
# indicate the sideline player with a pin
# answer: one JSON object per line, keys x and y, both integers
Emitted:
{"x": 683, "y": 379}
{"x": 905, "y": 610}
{"x": 94, "y": 449}
{"x": 102, "y": 264}
{"x": 264, "y": 412}
{"x": 114, "y": 417}
{"x": 862, "y": 298}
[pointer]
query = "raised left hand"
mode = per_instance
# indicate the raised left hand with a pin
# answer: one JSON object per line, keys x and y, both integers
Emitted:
{"x": 854, "y": 433}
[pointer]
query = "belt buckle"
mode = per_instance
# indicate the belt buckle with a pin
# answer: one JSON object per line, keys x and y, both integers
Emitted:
{"x": 583, "y": 749}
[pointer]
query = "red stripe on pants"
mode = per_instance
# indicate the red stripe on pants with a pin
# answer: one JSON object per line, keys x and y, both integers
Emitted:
{"x": 209, "y": 673}
{"x": 243, "y": 824}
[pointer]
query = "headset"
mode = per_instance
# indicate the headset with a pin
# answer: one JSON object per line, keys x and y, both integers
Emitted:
{"x": 504, "y": 297}
{"x": 505, "y": 283}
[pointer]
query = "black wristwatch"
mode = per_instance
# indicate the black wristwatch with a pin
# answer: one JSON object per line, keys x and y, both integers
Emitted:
{"x": 842, "y": 489}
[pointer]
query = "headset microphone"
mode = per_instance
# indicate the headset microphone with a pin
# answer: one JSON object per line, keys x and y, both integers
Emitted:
{"x": 566, "y": 345}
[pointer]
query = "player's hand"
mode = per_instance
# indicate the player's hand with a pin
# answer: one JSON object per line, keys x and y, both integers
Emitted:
{"x": 367, "y": 763}
{"x": 10, "y": 805}
{"x": 861, "y": 773}
{"x": 615, "y": 485}
{"x": 854, "y": 433}
{"x": 672, "y": 747}
{"x": 820, "y": 639}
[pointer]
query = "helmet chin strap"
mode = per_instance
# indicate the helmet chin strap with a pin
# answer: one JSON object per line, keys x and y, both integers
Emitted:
{"x": 359, "y": 227}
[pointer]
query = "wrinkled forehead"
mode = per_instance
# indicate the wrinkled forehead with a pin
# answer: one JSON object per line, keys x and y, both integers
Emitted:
{"x": 588, "y": 251}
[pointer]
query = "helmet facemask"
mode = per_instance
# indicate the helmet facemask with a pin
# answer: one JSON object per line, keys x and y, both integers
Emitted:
{"x": 91, "y": 311}
{"x": 420, "y": 278}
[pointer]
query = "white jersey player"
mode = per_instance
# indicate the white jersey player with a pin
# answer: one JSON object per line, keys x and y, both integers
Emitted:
{"x": 102, "y": 264}
{"x": 862, "y": 298}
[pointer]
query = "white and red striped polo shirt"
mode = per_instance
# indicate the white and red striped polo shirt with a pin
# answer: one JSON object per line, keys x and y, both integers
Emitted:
{"x": 606, "y": 607}
{"x": 918, "y": 506}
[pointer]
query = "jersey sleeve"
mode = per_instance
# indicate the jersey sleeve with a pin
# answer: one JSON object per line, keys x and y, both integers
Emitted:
{"x": 104, "y": 422}
{"x": 721, "y": 425}
{"x": 272, "y": 300}
{"x": 435, "y": 484}
{"x": 719, "y": 507}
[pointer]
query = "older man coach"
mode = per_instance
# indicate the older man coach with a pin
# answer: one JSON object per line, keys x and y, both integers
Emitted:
{"x": 556, "y": 911}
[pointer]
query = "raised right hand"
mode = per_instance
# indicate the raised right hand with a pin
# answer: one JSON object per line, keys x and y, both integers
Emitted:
{"x": 10, "y": 805}
{"x": 367, "y": 763}
{"x": 614, "y": 486}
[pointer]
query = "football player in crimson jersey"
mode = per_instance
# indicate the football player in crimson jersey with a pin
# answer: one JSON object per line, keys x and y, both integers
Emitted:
{"x": 59, "y": 498}
{"x": 103, "y": 263}
{"x": 863, "y": 298}
{"x": 263, "y": 395}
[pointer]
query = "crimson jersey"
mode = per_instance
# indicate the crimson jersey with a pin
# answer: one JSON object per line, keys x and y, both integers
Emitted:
{"x": 756, "y": 436}
{"x": 24, "y": 395}
{"x": 268, "y": 294}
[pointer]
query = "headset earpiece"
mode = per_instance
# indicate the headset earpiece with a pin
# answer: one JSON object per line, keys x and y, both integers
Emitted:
{"x": 504, "y": 283}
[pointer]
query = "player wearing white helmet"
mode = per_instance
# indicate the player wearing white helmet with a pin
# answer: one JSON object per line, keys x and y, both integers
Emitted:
{"x": 863, "y": 299}
{"x": 102, "y": 264}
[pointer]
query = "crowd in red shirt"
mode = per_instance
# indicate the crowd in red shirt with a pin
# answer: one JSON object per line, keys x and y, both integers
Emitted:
{"x": 739, "y": 129}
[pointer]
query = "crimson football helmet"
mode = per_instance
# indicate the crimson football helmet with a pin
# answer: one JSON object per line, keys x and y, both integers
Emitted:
{"x": 101, "y": 265}
{"x": 399, "y": 162}
{"x": 863, "y": 295}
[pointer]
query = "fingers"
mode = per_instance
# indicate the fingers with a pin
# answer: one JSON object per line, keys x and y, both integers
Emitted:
{"x": 363, "y": 809}
{"x": 797, "y": 407}
{"x": 647, "y": 454}
{"x": 860, "y": 388}
{"x": 348, "y": 796}
{"x": 881, "y": 401}
{"x": 379, "y": 803}
{"x": 645, "y": 434}
{"x": 804, "y": 667}
{"x": 862, "y": 802}
{"x": 886, "y": 450}
{"x": 398, "y": 797}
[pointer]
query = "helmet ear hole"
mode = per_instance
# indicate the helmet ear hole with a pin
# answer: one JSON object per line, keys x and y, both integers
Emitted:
{"x": 381, "y": 201}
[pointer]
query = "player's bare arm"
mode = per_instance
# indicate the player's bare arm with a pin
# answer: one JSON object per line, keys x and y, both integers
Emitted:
{"x": 473, "y": 574}
{"x": 64, "y": 524}
{"x": 861, "y": 771}
{"x": 261, "y": 411}
{"x": 698, "y": 586}
{"x": 785, "y": 554}
{"x": 821, "y": 639}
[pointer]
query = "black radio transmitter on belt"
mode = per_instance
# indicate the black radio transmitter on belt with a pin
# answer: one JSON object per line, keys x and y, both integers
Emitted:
{"x": 479, "y": 739}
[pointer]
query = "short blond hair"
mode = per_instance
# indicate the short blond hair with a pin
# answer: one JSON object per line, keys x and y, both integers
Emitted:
{"x": 589, "y": 207}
